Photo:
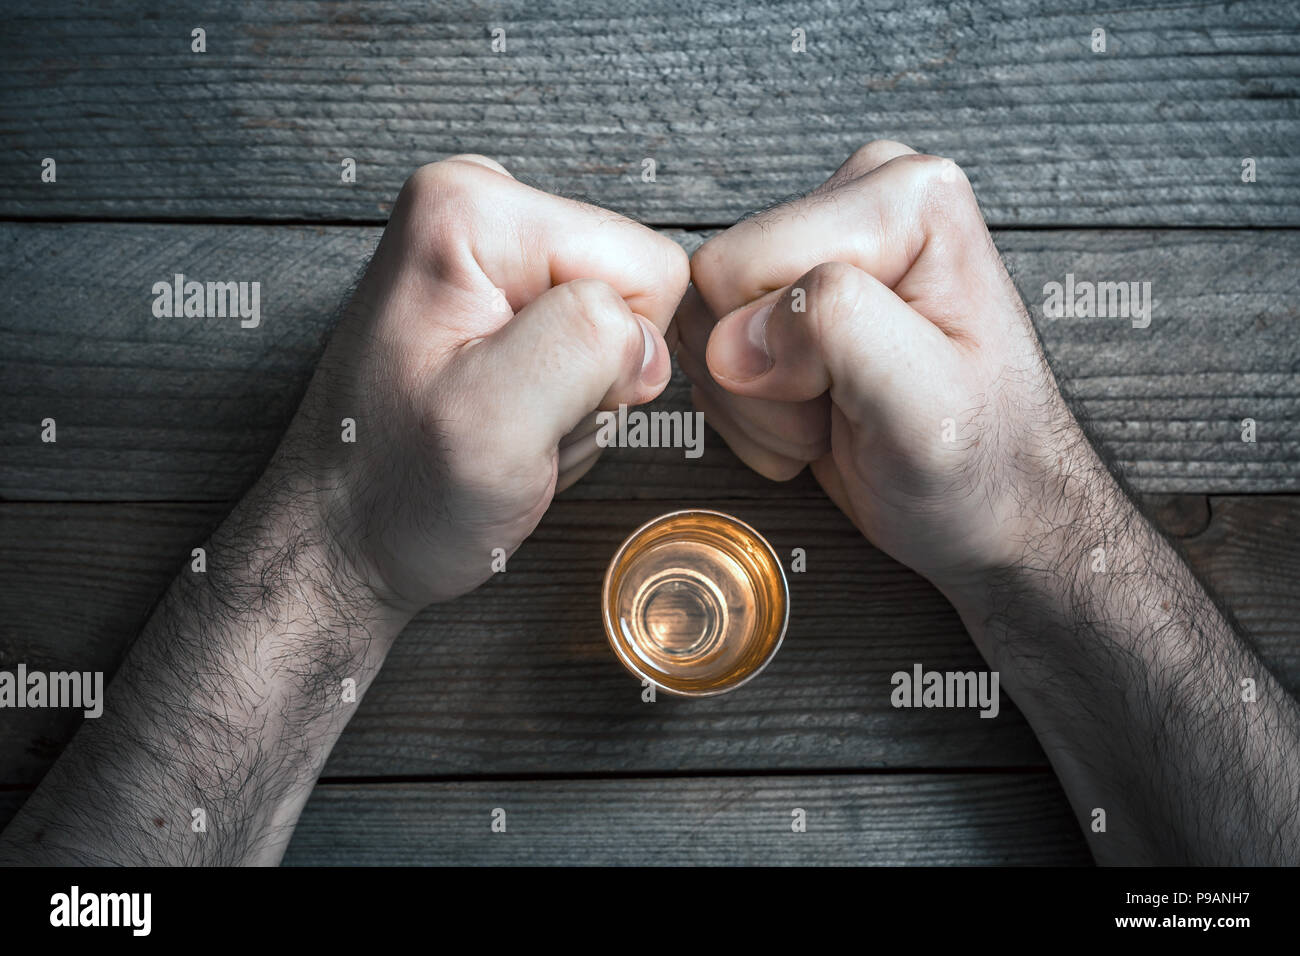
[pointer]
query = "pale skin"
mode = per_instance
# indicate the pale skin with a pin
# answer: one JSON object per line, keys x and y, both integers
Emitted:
{"x": 890, "y": 353}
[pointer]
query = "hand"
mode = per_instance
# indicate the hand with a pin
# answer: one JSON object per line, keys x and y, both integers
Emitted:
{"x": 912, "y": 379}
{"x": 492, "y": 322}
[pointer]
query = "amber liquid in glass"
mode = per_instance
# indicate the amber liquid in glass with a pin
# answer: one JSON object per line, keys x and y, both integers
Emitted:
{"x": 696, "y": 602}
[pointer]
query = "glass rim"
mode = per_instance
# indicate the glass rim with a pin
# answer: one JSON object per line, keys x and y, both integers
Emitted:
{"x": 634, "y": 666}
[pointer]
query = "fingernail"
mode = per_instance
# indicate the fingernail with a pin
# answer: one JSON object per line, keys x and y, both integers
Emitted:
{"x": 651, "y": 350}
{"x": 746, "y": 355}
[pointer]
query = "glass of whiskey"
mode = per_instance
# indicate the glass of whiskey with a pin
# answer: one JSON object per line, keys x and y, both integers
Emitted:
{"x": 695, "y": 602}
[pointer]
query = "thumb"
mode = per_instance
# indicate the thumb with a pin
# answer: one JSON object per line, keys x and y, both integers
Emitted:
{"x": 575, "y": 348}
{"x": 839, "y": 329}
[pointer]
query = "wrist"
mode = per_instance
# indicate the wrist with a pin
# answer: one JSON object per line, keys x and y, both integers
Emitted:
{"x": 1071, "y": 523}
{"x": 277, "y": 553}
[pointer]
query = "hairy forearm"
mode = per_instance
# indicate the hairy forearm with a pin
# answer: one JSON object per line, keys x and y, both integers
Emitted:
{"x": 1149, "y": 704}
{"x": 228, "y": 703}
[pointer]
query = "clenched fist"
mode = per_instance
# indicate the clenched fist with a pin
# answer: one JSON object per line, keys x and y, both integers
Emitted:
{"x": 870, "y": 330}
{"x": 492, "y": 322}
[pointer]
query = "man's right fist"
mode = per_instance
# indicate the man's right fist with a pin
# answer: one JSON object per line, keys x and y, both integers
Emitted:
{"x": 870, "y": 329}
{"x": 493, "y": 320}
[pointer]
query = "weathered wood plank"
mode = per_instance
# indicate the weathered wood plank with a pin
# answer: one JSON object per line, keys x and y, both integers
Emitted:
{"x": 1153, "y": 131}
{"x": 1250, "y": 552}
{"x": 517, "y": 677}
{"x": 932, "y": 819}
{"x": 188, "y": 409}
{"x": 852, "y": 819}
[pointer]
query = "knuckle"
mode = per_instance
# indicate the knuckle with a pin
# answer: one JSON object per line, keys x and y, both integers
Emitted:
{"x": 431, "y": 182}
{"x": 941, "y": 176}
{"x": 447, "y": 180}
{"x": 870, "y": 155}
{"x": 478, "y": 159}
{"x": 834, "y": 287}
{"x": 709, "y": 260}
{"x": 677, "y": 264}
{"x": 603, "y": 317}
{"x": 946, "y": 196}
{"x": 590, "y": 298}
{"x": 835, "y": 292}
{"x": 435, "y": 205}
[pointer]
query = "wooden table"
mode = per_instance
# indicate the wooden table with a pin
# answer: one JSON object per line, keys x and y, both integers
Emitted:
{"x": 1121, "y": 166}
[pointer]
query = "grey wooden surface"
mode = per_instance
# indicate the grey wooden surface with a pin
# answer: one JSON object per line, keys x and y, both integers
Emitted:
{"x": 1122, "y": 166}
{"x": 852, "y": 819}
{"x": 1152, "y": 132}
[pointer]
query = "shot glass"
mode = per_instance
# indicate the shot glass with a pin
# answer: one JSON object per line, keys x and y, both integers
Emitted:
{"x": 695, "y": 602}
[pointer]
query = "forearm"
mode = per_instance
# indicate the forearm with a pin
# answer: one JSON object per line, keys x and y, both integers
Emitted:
{"x": 228, "y": 703}
{"x": 1136, "y": 686}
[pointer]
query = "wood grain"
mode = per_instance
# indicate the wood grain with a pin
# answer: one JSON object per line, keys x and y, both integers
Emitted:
{"x": 1250, "y": 553}
{"x": 1152, "y": 132}
{"x": 517, "y": 678}
{"x": 858, "y": 819}
{"x": 190, "y": 409}
{"x": 852, "y": 819}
